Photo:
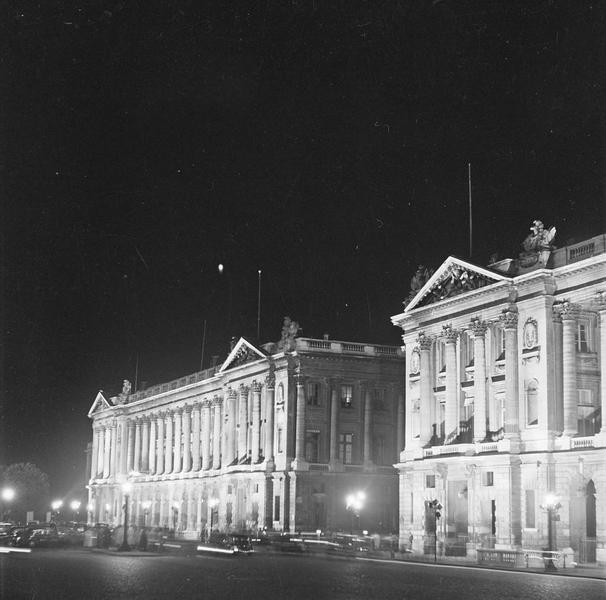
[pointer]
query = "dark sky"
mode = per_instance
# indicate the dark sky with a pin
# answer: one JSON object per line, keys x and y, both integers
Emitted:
{"x": 325, "y": 143}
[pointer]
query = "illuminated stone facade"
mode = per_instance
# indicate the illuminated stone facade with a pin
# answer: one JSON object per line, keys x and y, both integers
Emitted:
{"x": 504, "y": 401}
{"x": 276, "y": 437}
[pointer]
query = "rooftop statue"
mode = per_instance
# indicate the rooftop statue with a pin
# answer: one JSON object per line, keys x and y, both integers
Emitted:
{"x": 126, "y": 387}
{"x": 419, "y": 279}
{"x": 290, "y": 330}
{"x": 539, "y": 238}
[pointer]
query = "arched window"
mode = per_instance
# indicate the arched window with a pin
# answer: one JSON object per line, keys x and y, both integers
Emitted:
{"x": 532, "y": 404}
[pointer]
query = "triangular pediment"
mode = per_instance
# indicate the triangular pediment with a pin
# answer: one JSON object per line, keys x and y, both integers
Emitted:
{"x": 99, "y": 404}
{"x": 243, "y": 352}
{"x": 454, "y": 277}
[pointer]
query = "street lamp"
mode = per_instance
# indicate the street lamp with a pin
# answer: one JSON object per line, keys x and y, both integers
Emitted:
{"x": 213, "y": 502}
{"x": 146, "y": 506}
{"x": 436, "y": 507}
{"x": 55, "y": 506}
{"x": 551, "y": 505}
{"x": 354, "y": 504}
{"x": 8, "y": 495}
{"x": 126, "y": 488}
{"x": 75, "y": 506}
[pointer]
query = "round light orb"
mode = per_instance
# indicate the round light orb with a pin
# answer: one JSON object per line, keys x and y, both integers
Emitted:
{"x": 8, "y": 494}
{"x": 220, "y": 268}
{"x": 75, "y": 505}
{"x": 56, "y": 504}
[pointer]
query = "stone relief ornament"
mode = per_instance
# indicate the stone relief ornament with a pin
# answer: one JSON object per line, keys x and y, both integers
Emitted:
{"x": 418, "y": 280}
{"x": 531, "y": 334}
{"x": 415, "y": 362}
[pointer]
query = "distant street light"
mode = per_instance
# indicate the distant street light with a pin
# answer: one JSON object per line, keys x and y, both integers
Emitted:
{"x": 551, "y": 505}
{"x": 55, "y": 508}
{"x": 354, "y": 504}
{"x": 126, "y": 488}
{"x": 75, "y": 506}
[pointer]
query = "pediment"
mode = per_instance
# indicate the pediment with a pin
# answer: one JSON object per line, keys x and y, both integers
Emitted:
{"x": 242, "y": 353}
{"x": 454, "y": 277}
{"x": 99, "y": 404}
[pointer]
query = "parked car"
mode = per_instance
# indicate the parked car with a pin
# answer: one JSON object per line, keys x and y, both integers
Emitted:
{"x": 8, "y": 535}
{"x": 68, "y": 536}
{"x": 41, "y": 535}
{"x": 227, "y": 543}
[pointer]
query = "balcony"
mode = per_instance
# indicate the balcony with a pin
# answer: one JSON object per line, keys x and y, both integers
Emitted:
{"x": 338, "y": 347}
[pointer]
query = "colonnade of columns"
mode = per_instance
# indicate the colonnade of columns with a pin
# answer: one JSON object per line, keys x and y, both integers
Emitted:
{"x": 204, "y": 435}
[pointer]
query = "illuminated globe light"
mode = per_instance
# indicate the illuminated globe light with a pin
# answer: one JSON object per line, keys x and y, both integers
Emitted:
{"x": 75, "y": 505}
{"x": 56, "y": 504}
{"x": 220, "y": 268}
{"x": 8, "y": 494}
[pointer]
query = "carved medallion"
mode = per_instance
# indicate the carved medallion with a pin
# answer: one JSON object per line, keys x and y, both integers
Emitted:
{"x": 531, "y": 334}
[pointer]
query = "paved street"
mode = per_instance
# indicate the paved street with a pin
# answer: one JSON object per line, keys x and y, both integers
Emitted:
{"x": 82, "y": 574}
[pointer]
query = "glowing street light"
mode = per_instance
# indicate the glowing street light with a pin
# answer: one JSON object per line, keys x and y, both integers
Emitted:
{"x": 75, "y": 506}
{"x": 354, "y": 503}
{"x": 8, "y": 495}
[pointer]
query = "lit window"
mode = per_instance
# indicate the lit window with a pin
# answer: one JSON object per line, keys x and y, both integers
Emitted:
{"x": 346, "y": 447}
{"x": 347, "y": 396}
{"x": 582, "y": 337}
{"x": 430, "y": 481}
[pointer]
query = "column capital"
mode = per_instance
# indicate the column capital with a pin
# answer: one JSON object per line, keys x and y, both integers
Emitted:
{"x": 231, "y": 393}
{"x": 450, "y": 334}
{"x": 599, "y": 300}
{"x": 217, "y": 401}
{"x": 206, "y": 403}
{"x": 270, "y": 381}
{"x": 478, "y": 327}
{"x": 299, "y": 379}
{"x": 555, "y": 314}
{"x": 424, "y": 341}
{"x": 243, "y": 389}
{"x": 509, "y": 318}
{"x": 256, "y": 387}
{"x": 568, "y": 310}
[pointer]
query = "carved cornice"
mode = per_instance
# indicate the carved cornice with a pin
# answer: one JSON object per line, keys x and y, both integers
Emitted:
{"x": 449, "y": 334}
{"x": 478, "y": 327}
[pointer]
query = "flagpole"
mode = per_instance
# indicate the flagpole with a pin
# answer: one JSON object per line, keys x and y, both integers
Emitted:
{"x": 259, "y": 309}
{"x": 470, "y": 211}
{"x": 203, "y": 344}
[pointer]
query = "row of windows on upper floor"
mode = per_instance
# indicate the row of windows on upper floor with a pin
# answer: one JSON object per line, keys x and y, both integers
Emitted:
{"x": 346, "y": 395}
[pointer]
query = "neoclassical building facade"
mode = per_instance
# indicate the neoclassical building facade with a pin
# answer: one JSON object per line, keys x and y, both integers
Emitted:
{"x": 274, "y": 437}
{"x": 504, "y": 401}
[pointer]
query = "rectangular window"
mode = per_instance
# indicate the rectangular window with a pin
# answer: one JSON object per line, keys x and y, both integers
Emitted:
{"x": 312, "y": 446}
{"x": 346, "y": 448}
{"x": 379, "y": 450}
{"x": 499, "y": 346}
{"x": 430, "y": 481}
{"x": 229, "y": 490}
{"x": 441, "y": 356}
{"x": 488, "y": 479}
{"x": 313, "y": 394}
{"x": 530, "y": 509}
{"x": 532, "y": 403}
{"x": 256, "y": 488}
{"x": 276, "y": 508}
{"x": 280, "y": 440}
{"x": 467, "y": 343}
{"x": 582, "y": 337}
{"x": 347, "y": 396}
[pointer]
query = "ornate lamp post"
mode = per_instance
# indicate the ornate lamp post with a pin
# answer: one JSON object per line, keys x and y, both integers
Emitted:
{"x": 213, "y": 502}
{"x": 126, "y": 488}
{"x": 436, "y": 507}
{"x": 551, "y": 505}
{"x": 354, "y": 503}
{"x": 8, "y": 495}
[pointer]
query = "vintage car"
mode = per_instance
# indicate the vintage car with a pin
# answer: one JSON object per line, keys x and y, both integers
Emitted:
{"x": 233, "y": 544}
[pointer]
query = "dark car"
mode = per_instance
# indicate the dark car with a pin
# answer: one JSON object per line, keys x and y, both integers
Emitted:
{"x": 8, "y": 534}
{"x": 68, "y": 536}
{"x": 38, "y": 536}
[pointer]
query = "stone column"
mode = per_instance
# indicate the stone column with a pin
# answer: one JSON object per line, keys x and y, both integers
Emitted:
{"x": 94, "y": 453}
{"x": 512, "y": 401}
{"x": 558, "y": 369}
{"x": 161, "y": 444}
{"x": 270, "y": 387}
{"x": 113, "y": 450}
{"x": 217, "y": 433}
{"x": 206, "y": 435}
{"x": 186, "y": 418}
{"x": 168, "y": 450}
{"x": 107, "y": 433}
{"x": 425, "y": 388}
{"x": 452, "y": 386}
{"x": 300, "y": 424}
{"x": 137, "y": 450}
{"x": 145, "y": 445}
{"x": 256, "y": 422}
{"x": 101, "y": 451}
{"x": 231, "y": 401}
{"x": 400, "y": 425}
{"x": 177, "y": 454}
{"x": 367, "y": 427}
{"x": 196, "y": 437}
{"x": 123, "y": 447}
{"x": 334, "y": 423}
{"x": 153, "y": 440}
{"x": 478, "y": 329}
{"x": 602, "y": 312}
{"x": 130, "y": 446}
{"x": 243, "y": 423}
{"x": 569, "y": 313}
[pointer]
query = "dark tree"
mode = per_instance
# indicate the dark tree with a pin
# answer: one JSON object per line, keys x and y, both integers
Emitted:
{"x": 31, "y": 489}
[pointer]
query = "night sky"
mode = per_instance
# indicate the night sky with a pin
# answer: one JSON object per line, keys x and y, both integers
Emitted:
{"x": 325, "y": 143}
